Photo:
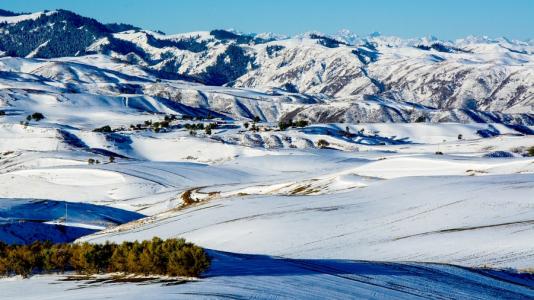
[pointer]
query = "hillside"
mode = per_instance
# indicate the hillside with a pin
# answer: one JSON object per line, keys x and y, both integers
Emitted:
{"x": 312, "y": 166}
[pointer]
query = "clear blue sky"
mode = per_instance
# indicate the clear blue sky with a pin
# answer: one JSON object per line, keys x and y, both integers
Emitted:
{"x": 447, "y": 19}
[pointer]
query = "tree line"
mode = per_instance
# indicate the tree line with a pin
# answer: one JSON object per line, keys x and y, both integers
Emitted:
{"x": 172, "y": 257}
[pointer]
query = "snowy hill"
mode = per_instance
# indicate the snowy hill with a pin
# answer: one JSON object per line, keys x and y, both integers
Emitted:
{"x": 311, "y": 166}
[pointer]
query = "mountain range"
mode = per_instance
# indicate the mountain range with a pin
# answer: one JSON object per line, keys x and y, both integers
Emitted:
{"x": 313, "y": 76}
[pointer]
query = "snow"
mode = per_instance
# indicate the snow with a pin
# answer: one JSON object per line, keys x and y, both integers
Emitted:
{"x": 254, "y": 276}
{"x": 378, "y": 214}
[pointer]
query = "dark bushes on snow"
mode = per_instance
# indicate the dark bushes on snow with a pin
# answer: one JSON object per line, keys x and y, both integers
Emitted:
{"x": 322, "y": 143}
{"x": 35, "y": 116}
{"x": 420, "y": 119}
{"x": 103, "y": 129}
{"x": 173, "y": 257}
{"x": 284, "y": 125}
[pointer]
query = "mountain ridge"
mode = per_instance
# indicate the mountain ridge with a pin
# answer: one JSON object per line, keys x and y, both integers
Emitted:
{"x": 495, "y": 76}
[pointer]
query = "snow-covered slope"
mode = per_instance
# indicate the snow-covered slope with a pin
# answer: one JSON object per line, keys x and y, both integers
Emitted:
{"x": 413, "y": 177}
{"x": 237, "y": 276}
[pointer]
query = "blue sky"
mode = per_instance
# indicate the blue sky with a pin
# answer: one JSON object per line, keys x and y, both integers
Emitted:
{"x": 447, "y": 19}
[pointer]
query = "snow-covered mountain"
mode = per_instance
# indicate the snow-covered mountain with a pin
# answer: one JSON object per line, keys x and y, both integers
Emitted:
{"x": 426, "y": 79}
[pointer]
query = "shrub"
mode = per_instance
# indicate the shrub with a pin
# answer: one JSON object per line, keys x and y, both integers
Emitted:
{"x": 322, "y": 143}
{"x": 103, "y": 129}
{"x": 301, "y": 123}
{"x": 58, "y": 258}
{"x": 246, "y": 124}
{"x": 2, "y": 113}
{"x": 420, "y": 119}
{"x": 170, "y": 118}
{"x": 529, "y": 151}
{"x": 283, "y": 125}
{"x": 37, "y": 116}
{"x": 174, "y": 257}
{"x": 21, "y": 261}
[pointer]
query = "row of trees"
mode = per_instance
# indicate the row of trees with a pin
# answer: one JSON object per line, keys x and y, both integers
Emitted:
{"x": 173, "y": 257}
{"x": 284, "y": 125}
{"x": 200, "y": 126}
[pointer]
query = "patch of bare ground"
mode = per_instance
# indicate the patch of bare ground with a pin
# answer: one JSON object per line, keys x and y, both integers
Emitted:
{"x": 304, "y": 190}
{"x": 189, "y": 197}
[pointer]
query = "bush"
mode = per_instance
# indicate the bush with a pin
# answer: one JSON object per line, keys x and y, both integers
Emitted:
{"x": 169, "y": 118}
{"x": 197, "y": 126}
{"x": 283, "y": 125}
{"x": 499, "y": 154}
{"x": 173, "y": 257}
{"x": 103, "y": 129}
{"x": 301, "y": 123}
{"x": 530, "y": 151}
{"x": 322, "y": 143}
{"x": 420, "y": 119}
{"x": 37, "y": 116}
